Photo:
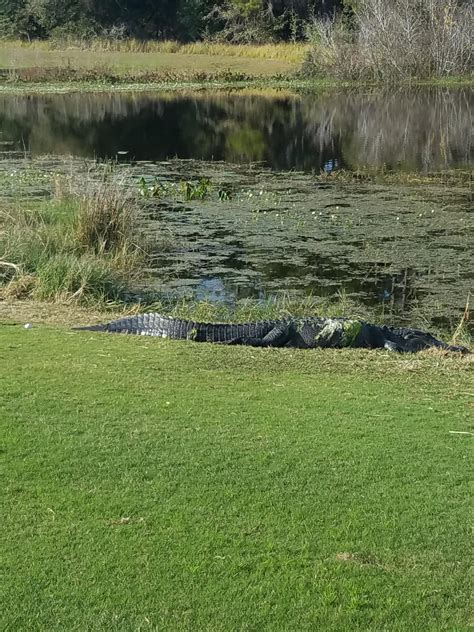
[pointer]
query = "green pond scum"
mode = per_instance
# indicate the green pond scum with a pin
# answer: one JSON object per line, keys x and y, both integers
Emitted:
{"x": 399, "y": 250}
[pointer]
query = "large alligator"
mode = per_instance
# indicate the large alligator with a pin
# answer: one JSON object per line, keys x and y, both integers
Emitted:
{"x": 301, "y": 333}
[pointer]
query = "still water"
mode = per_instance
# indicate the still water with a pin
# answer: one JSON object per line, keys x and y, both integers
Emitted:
{"x": 404, "y": 249}
{"x": 421, "y": 130}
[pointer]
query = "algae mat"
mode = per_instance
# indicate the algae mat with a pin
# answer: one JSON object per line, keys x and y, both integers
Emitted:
{"x": 403, "y": 250}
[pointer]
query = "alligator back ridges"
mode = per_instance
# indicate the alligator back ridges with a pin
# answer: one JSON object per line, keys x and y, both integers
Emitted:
{"x": 305, "y": 333}
{"x": 178, "y": 329}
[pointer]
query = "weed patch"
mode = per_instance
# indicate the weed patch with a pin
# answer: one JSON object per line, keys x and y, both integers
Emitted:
{"x": 84, "y": 243}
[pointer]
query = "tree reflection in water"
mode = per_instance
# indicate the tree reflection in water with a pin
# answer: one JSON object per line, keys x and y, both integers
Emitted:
{"x": 418, "y": 130}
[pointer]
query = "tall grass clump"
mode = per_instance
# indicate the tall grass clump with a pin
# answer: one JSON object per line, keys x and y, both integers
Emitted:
{"x": 84, "y": 244}
{"x": 392, "y": 41}
{"x": 107, "y": 218}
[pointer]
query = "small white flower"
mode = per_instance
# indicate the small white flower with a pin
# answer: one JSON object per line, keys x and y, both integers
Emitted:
{"x": 398, "y": 218}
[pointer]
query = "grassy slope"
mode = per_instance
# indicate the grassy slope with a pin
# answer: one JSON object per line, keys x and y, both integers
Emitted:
{"x": 125, "y": 62}
{"x": 172, "y": 486}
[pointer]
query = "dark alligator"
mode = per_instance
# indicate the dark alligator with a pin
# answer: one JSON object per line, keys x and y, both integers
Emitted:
{"x": 302, "y": 333}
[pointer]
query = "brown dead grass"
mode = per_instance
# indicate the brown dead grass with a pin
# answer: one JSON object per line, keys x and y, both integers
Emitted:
{"x": 58, "y": 314}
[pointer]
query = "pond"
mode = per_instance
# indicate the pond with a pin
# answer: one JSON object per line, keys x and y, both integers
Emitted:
{"x": 402, "y": 250}
{"x": 283, "y": 227}
{"x": 422, "y": 130}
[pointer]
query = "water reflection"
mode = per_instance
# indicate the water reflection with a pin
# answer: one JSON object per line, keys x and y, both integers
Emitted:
{"x": 424, "y": 129}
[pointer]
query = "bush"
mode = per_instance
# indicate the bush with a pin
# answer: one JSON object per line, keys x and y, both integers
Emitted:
{"x": 394, "y": 40}
{"x": 427, "y": 38}
{"x": 332, "y": 51}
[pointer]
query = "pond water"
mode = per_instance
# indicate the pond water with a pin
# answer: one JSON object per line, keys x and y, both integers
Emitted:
{"x": 411, "y": 130}
{"x": 402, "y": 250}
{"x": 284, "y": 228}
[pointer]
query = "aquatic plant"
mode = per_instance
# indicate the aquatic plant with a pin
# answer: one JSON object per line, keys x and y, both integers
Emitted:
{"x": 196, "y": 190}
{"x": 224, "y": 195}
{"x": 148, "y": 190}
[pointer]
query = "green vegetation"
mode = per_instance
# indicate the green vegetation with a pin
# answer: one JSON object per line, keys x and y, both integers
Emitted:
{"x": 34, "y": 63}
{"x": 197, "y": 190}
{"x": 263, "y": 490}
{"x": 343, "y": 40}
{"x": 82, "y": 244}
{"x": 185, "y": 20}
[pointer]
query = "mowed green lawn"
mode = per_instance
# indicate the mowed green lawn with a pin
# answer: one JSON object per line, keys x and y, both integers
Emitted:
{"x": 158, "y": 485}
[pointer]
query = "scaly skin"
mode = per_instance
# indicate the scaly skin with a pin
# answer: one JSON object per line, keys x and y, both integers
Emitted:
{"x": 303, "y": 333}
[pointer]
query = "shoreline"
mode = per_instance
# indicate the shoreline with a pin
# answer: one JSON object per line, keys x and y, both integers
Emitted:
{"x": 298, "y": 86}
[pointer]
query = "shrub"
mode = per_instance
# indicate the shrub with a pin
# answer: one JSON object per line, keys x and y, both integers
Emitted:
{"x": 332, "y": 52}
{"x": 394, "y": 40}
{"x": 417, "y": 39}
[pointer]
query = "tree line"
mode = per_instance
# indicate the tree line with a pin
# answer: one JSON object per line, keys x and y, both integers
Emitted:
{"x": 185, "y": 20}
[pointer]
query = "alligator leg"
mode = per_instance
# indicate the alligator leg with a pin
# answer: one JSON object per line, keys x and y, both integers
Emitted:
{"x": 401, "y": 340}
{"x": 375, "y": 337}
{"x": 277, "y": 337}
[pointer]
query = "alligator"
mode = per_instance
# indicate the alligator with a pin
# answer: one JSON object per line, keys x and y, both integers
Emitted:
{"x": 301, "y": 333}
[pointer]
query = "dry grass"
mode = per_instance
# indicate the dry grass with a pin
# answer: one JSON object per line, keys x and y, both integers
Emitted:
{"x": 62, "y": 313}
{"x": 103, "y": 60}
{"x": 107, "y": 220}
{"x": 394, "y": 41}
{"x": 285, "y": 51}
